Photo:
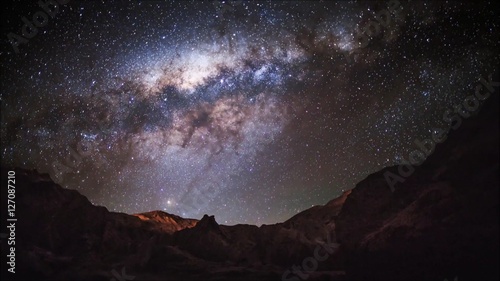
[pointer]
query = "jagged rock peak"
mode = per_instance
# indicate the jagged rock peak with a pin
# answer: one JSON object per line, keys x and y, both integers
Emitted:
{"x": 207, "y": 222}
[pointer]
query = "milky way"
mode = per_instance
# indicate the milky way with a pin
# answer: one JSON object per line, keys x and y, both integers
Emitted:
{"x": 251, "y": 111}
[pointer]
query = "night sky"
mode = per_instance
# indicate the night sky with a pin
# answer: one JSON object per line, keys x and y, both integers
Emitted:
{"x": 251, "y": 112}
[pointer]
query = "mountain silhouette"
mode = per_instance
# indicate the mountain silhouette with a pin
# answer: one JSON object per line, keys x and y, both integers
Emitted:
{"x": 440, "y": 222}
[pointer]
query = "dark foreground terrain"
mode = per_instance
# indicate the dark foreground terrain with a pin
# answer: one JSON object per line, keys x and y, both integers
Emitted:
{"x": 441, "y": 222}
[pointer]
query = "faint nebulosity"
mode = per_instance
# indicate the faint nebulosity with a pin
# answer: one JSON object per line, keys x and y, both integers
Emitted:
{"x": 251, "y": 114}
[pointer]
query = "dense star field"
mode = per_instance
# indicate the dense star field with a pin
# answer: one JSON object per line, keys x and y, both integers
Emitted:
{"x": 250, "y": 111}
